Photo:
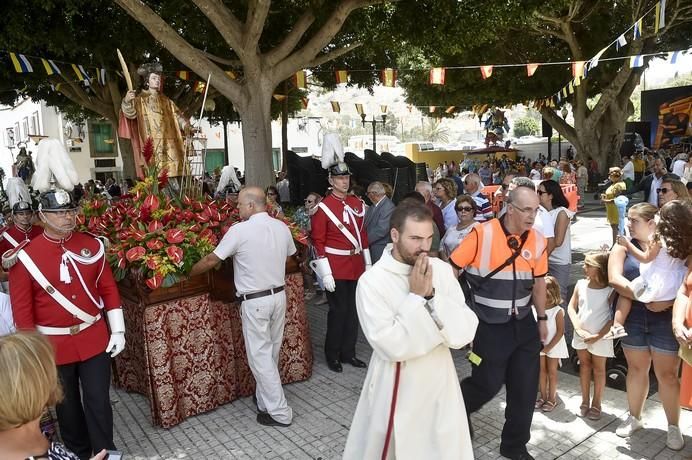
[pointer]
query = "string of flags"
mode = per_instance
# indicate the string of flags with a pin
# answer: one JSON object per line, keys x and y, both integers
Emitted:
{"x": 388, "y": 76}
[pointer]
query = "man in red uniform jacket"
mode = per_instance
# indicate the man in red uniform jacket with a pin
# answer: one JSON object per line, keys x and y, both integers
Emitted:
{"x": 341, "y": 245}
{"x": 61, "y": 282}
{"x": 21, "y": 228}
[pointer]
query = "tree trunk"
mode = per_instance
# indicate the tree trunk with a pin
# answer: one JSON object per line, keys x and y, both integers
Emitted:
{"x": 257, "y": 136}
{"x": 225, "y": 142}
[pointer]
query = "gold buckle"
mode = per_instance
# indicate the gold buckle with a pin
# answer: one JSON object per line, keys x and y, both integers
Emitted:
{"x": 74, "y": 330}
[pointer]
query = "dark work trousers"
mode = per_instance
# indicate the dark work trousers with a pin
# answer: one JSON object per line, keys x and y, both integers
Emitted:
{"x": 509, "y": 355}
{"x": 86, "y": 420}
{"x": 342, "y": 321}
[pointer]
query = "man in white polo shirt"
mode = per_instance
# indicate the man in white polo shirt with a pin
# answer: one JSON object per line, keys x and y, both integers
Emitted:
{"x": 259, "y": 247}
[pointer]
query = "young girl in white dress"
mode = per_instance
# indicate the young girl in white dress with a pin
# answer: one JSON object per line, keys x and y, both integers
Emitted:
{"x": 589, "y": 310}
{"x": 555, "y": 348}
{"x": 660, "y": 277}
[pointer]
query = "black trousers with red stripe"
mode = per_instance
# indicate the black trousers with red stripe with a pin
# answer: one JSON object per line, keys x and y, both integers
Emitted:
{"x": 86, "y": 418}
{"x": 342, "y": 321}
{"x": 509, "y": 355}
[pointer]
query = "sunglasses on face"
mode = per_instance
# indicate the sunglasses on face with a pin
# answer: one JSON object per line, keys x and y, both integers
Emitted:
{"x": 540, "y": 192}
{"x": 464, "y": 209}
{"x": 309, "y": 201}
{"x": 663, "y": 190}
{"x": 271, "y": 194}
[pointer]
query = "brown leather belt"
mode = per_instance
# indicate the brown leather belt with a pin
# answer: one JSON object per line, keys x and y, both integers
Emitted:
{"x": 257, "y": 295}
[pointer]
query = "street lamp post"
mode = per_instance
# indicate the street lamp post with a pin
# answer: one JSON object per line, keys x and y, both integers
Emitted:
{"x": 564, "y": 112}
{"x": 374, "y": 123}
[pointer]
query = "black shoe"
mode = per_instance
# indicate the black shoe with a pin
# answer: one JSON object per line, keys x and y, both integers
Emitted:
{"x": 267, "y": 420}
{"x": 516, "y": 455}
{"x": 259, "y": 411}
{"x": 355, "y": 362}
{"x": 334, "y": 365}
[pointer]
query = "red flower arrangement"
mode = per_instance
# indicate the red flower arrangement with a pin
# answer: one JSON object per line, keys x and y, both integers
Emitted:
{"x": 155, "y": 236}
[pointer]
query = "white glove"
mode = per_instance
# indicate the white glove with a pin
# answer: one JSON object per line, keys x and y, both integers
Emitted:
{"x": 324, "y": 271}
{"x": 116, "y": 322}
{"x": 368, "y": 260}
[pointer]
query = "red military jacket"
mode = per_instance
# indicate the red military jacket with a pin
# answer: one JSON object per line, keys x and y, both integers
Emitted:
{"x": 325, "y": 233}
{"x": 32, "y": 305}
{"x": 17, "y": 235}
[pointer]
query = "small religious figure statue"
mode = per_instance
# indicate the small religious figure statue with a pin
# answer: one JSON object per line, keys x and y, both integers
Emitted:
{"x": 151, "y": 114}
{"x": 495, "y": 126}
{"x": 24, "y": 165}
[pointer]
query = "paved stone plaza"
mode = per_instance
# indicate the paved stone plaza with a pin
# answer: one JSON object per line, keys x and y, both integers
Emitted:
{"x": 323, "y": 407}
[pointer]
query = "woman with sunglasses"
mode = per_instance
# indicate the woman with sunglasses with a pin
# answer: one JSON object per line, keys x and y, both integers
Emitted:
{"x": 273, "y": 202}
{"x": 465, "y": 208}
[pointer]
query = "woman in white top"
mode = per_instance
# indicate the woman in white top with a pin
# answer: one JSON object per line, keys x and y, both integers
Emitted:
{"x": 466, "y": 210}
{"x": 446, "y": 192}
{"x": 554, "y": 201}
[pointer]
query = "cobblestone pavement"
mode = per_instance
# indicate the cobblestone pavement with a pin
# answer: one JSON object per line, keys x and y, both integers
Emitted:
{"x": 323, "y": 408}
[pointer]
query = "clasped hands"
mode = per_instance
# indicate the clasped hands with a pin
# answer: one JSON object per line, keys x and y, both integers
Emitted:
{"x": 420, "y": 278}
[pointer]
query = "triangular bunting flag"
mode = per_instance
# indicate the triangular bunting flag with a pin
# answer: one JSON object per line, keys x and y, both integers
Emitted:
{"x": 183, "y": 74}
{"x": 388, "y": 77}
{"x": 657, "y": 18}
{"x": 341, "y": 77}
{"x": 531, "y": 69}
{"x": 559, "y": 97}
{"x": 674, "y": 56}
{"x": 636, "y": 61}
{"x": 300, "y": 79}
{"x": 21, "y": 63}
{"x": 450, "y": 109}
{"x": 304, "y": 101}
{"x": 87, "y": 78}
{"x": 431, "y": 109}
{"x": 577, "y": 81}
{"x": 199, "y": 87}
{"x": 621, "y": 41}
{"x": 578, "y": 69}
{"x": 78, "y": 72}
{"x": 437, "y": 76}
{"x": 564, "y": 92}
{"x": 101, "y": 76}
{"x": 383, "y": 108}
{"x": 552, "y": 103}
{"x": 231, "y": 74}
{"x": 570, "y": 88}
{"x": 486, "y": 71}
{"x": 638, "y": 29}
{"x": 336, "y": 107}
{"x": 662, "y": 16}
{"x": 359, "y": 109}
{"x": 279, "y": 97}
{"x": 50, "y": 67}
{"x": 594, "y": 60}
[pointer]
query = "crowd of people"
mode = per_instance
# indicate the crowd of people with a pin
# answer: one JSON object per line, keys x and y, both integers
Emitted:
{"x": 440, "y": 270}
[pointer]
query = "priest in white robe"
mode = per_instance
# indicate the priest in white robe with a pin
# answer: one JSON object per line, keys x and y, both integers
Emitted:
{"x": 412, "y": 311}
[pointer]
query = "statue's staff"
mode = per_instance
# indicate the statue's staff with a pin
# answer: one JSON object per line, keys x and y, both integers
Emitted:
{"x": 187, "y": 179}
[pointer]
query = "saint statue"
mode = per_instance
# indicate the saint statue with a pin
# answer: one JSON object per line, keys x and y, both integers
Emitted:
{"x": 151, "y": 114}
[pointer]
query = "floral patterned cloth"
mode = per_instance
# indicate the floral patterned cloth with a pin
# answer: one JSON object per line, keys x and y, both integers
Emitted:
{"x": 187, "y": 355}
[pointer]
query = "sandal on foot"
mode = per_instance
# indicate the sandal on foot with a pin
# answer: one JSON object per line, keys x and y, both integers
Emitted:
{"x": 594, "y": 413}
{"x": 549, "y": 406}
{"x": 615, "y": 332}
{"x": 539, "y": 403}
{"x": 584, "y": 410}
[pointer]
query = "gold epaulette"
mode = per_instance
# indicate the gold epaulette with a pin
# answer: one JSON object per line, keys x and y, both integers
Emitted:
{"x": 9, "y": 258}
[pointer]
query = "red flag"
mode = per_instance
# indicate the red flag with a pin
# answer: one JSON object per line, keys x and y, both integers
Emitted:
{"x": 388, "y": 77}
{"x": 578, "y": 69}
{"x": 531, "y": 69}
{"x": 341, "y": 76}
{"x": 437, "y": 76}
{"x": 183, "y": 74}
{"x": 486, "y": 71}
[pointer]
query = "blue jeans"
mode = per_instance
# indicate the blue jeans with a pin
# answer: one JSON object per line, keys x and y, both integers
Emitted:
{"x": 647, "y": 330}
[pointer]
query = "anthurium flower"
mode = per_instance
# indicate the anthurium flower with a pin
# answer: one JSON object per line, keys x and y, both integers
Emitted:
{"x": 155, "y": 244}
{"x": 155, "y": 225}
{"x": 175, "y": 236}
{"x": 151, "y": 263}
{"x": 154, "y": 282}
{"x": 135, "y": 253}
{"x": 151, "y": 202}
{"x": 175, "y": 254}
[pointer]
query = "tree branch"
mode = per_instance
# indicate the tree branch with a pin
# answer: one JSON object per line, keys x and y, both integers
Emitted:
{"x": 220, "y": 60}
{"x": 333, "y": 54}
{"x": 223, "y": 20}
{"x": 302, "y": 57}
{"x": 254, "y": 23}
{"x": 76, "y": 94}
{"x": 291, "y": 40}
{"x": 557, "y": 122}
{"x": 180, "y": 48}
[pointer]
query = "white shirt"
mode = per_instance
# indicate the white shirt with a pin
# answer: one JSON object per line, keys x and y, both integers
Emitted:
{"x": 544, "y": 223}
{"x": 628, "y": 170}
{"x": 655, "y": 184}
{"x": 679, "y": 167}
{"x": 562, "y": 255}
{"x": 259, "y": 247}
{"x": 6, "y": 319}
{"x": 535, "y": 174}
